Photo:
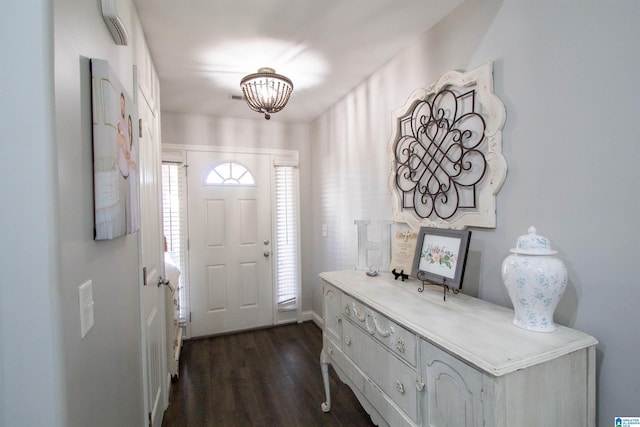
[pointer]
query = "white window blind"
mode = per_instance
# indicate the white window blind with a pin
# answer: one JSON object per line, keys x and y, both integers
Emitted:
{"x": 286, "y": 237}
{"x": 173, "y": 225}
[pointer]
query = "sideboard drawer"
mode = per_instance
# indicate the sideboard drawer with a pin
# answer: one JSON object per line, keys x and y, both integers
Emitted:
{"x": 393, "y": 376}
{"x": 399, "y": 340}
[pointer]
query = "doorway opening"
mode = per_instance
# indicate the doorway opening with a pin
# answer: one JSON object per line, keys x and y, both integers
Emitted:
{"x": 182, "y": 183}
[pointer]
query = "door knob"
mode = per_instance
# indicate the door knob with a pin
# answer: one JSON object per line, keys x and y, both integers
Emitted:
{"x": 266, "y": 254}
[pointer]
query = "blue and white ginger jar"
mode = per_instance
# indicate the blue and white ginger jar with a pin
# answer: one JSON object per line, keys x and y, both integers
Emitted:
{"x": 535, "y": 281}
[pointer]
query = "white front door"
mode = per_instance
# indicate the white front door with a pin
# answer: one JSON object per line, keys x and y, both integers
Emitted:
{"x": 229, "y": 243}
{"x": 151, "y": 244}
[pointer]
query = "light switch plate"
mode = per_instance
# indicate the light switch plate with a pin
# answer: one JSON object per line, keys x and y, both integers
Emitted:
{"x": 86, "y": 307}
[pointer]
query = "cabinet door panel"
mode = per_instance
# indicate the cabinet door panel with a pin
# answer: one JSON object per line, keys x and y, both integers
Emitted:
{"x": 333, "y": 314}
{"x": 453, "y": 390}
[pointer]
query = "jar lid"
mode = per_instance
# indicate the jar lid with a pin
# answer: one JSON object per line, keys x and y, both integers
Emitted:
{"x": 533, "y": 244}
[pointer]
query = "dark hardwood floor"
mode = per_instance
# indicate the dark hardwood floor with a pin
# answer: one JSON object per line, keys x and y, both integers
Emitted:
{"x": 268, "y": 377}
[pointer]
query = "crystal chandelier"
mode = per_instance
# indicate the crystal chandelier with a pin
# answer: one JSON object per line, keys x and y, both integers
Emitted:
{"x": 266, "y": 92}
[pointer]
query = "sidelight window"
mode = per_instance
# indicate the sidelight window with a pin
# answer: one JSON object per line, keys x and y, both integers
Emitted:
{"x": 173, "y": 212}
{"x": 286, "y": 236}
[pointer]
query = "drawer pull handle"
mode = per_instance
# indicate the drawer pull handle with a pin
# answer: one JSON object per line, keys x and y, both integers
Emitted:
{"x": 347, "y": 340}
{"x": 347, "y": 312}
{"x": 400, "y": 346}
{"x": 382, "y": 333}
{"x": 359, "y": 316}
{"x": 419, "y": 385}
{"x": 400, "y": 387}
{"x": 373, "y": 326}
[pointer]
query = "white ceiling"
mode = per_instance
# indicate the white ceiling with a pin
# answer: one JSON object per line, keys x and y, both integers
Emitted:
{"x": 202, "y": 48}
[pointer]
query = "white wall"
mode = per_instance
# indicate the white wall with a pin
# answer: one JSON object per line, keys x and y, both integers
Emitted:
{"x": 194, "y": 129}
{"x": 31, "y": 365}
{"x": 103, "y": 374}
{"x": 48, "y": 374}
{"x": 566, "y": 73}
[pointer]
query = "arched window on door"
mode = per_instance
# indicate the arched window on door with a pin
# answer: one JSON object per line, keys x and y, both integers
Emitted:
{"x": 229, "y": 174}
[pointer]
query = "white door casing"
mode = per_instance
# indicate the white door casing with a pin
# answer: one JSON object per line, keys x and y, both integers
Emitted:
{"x": 151, "y": 261}
{"x": 231, "y": 284}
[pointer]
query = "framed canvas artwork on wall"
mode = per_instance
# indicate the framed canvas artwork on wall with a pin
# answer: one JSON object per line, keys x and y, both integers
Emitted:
{"x": 115, "y": 155}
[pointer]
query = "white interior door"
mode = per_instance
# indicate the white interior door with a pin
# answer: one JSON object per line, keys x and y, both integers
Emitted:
{"x": 229, "y": 244}
{"x": 152, "y": 296}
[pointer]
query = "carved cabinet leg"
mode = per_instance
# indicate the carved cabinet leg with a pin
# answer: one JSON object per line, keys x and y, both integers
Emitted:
{"x": 324, "y": 367}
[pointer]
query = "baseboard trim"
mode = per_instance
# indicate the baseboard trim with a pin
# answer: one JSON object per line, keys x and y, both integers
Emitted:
{"x": 317, "y": 319}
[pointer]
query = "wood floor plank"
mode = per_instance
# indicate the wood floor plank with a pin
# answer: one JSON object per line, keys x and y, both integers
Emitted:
{"x": 267, "y": 377}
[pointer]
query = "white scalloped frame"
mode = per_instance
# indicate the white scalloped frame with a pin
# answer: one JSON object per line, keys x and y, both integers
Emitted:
{"x": 493, "y": 112}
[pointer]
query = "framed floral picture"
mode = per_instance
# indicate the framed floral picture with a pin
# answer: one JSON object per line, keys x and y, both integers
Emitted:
{"x": 441, "y": 255}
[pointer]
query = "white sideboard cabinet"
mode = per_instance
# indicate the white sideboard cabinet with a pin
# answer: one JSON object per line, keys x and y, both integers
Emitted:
{"x": 414, "y": 359}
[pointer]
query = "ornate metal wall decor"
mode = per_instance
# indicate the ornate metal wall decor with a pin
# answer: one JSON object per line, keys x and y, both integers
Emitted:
{"x": 446, "y": 152}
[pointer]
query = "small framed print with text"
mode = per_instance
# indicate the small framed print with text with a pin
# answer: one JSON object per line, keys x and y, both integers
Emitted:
{"x": 441, "y": 255}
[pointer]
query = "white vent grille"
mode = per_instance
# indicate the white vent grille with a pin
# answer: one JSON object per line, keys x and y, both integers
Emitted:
{"x": 114, "y": 21}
